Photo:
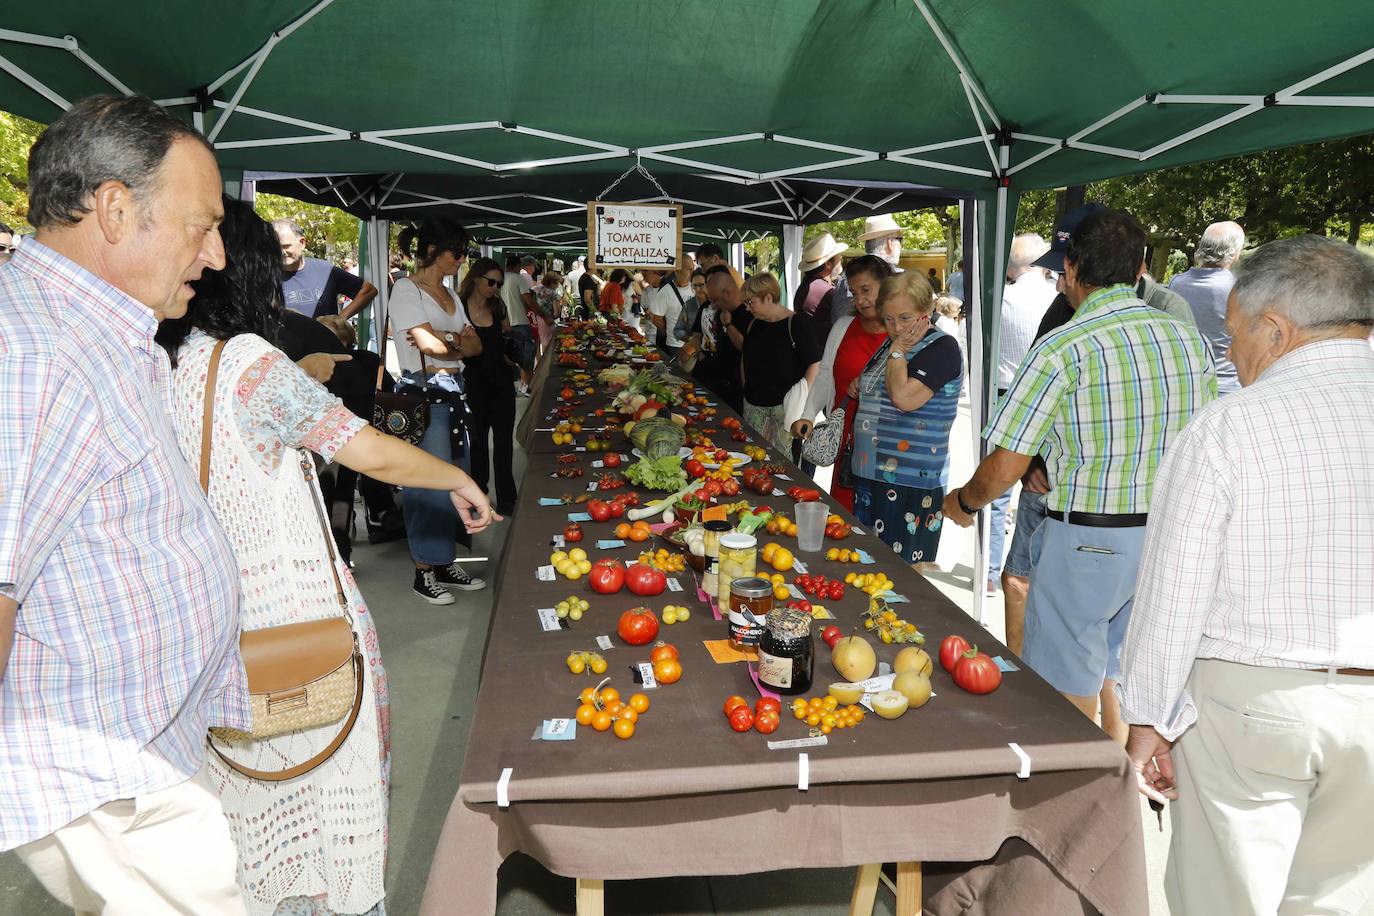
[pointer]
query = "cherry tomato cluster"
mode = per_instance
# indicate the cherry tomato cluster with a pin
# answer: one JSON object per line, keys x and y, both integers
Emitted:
{"x": 837, "y": 528}
{"x": 764, "y": 718}
{"x": 602, "y": 709}
{"x": 568, "y": 473}
{"x": 566, "y": 458}
{"x": 586, "y": 662}
{"x": 610, "y": 482}
{"x": 825, "y": 713}
{"x": 972, "y": 670}
{"x": 819, "y": 587}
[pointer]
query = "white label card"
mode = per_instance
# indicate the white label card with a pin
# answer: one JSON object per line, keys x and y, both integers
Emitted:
{"x": 598, "y": 463}
{"x": 548, "y": 619}
{"x": 545, "y": 574}
{"x": 818, "y": 741}
{"x": 674, "y": 585}
{"x": 558, "y": 541}
{"x": 603, "y": 642}
{"x": 646, "y": 672}
{"x": 799, "y": 566}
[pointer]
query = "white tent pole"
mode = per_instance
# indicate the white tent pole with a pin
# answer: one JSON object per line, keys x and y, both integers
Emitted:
{"x": 736, "y": 256}
{"x": 976, "y": 211}
{"x": 818, "y": 167}
{"x": 957, "y": 59}
{"x": 1204, "y": 129}
{"x": 1351, "y": 63}
{"x": 378, "y": 272}
{"x": 941, "y": 166}
{"x": 434, "y": 129}
{"x": 791, "y": 260}
{"x": 947, "y": 144}
{"x": 280, "y": 141}
{"x": 33, "y": 83}
{"x": 978, "y": 118}
{"x": 243, "y": 86}
{"x": 276, "y": 36}
{"x": 1329, "y": 101}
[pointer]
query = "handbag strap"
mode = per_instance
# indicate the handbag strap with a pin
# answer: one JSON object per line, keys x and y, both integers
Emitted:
{"x": 307, "y": 469}
{"x": 301, "y": 769}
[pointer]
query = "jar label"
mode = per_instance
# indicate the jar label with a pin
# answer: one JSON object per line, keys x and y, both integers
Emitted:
{"x": 742, "y": 632}
{"x": 774, "y": 671}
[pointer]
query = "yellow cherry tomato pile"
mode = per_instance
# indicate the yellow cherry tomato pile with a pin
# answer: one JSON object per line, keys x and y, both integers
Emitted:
{"x": 572, "y": 607}
{"x": 571, "y": 565}
{"x": 586, "y": 662}
{"x": 826, "y": 714}
{"x": 869, "y": 583}
{"x": 676, "y": 613}
{"x": 843, "y": 555}
{"x": 669, "y": 561}
{"x": 602, "y": 709}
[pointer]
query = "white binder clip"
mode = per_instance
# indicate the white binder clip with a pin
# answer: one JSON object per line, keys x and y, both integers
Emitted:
{"x": 503, "y": 788}
{"x": 1024, "y": 772}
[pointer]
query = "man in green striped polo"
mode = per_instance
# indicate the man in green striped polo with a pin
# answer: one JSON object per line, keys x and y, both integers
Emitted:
{"x": 1099, "y": 399}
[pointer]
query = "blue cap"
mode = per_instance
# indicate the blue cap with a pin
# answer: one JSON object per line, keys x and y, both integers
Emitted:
{"x": 1068, "y": 225}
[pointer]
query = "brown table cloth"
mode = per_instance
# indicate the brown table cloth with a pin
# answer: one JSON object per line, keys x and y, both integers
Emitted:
{"x": 937, "y": 785}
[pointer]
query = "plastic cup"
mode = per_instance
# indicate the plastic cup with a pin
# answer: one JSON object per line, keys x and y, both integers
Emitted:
{"x": 811, "y": 526}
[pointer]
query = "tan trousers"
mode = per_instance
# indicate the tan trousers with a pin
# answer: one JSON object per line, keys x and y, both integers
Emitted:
{"x": 163, "y": 853}
{"x": 1276, "y": 784}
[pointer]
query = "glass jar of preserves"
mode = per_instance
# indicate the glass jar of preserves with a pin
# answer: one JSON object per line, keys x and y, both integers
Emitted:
{"x": 786, "y": 653}
{"x": 738, "y": 556}
{"x": 751, "y": 601}
{"x": 714, "y": 532}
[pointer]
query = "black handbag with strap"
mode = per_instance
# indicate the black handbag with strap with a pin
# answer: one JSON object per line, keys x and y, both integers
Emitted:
{"x": 403, "y": 414}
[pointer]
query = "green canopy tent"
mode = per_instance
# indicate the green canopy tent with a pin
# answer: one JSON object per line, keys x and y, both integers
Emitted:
{"x": 983, "y": 97}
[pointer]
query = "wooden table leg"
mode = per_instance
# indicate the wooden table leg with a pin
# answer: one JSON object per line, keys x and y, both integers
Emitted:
{"x": 908, "y": 889}
{"x": 591, "y": 897}
{"x": 865, "y": 889}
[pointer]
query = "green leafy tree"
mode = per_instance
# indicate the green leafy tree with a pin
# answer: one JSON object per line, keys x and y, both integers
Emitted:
{"x": 16, "y": 137}
{"x": 330, "y": 233}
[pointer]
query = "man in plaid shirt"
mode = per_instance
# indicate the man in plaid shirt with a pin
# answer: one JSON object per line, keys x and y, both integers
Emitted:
{"x": 1099, "y": 399}
{"x": 118, "y": 590}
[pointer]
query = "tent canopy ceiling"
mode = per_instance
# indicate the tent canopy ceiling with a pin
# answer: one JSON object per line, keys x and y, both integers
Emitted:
{"x": 920, "y": 92}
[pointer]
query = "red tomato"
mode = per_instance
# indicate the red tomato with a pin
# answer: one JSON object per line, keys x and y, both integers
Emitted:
{"x": 976, "y": 672}
{"x": 951, "y": 650}
{"x": 730, "y": 487}
{"x": 835, "y": 591}
{"x": 668, "y": 670}
{"x": 612, "y": 460}
{"x": 607, "y": 576}
{"x": 663, "y": 650}
{"x": 702, "y": 495}
{"x": 637, "y": 626}
{"x": 763, "y": 703}
{"x": 694, "y": 468}
{"x": 721, "y": 454}
{"x": 645, "y": 581}
{"x": 831, "y": 635}
{"x": 767, "y": 721}
{"x": 741, "y": 719}
{"x": 713, "y": 488}
{"x": 735, "y": 702}
{"x": 572, "y": 533}
{"x": 617, "y": 508}
{"x": 598, "y": 510}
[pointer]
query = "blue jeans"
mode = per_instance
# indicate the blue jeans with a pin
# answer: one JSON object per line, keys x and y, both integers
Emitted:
{"x": 432, "y": 524}
{"x": 997, "y": 534}
{"x": 1030, "y": 512}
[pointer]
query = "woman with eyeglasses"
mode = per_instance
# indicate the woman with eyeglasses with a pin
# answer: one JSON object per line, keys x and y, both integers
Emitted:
{"x": 432, "y": 337}
{"x": 490, "y": 380}
{"x": 908, "y": 399}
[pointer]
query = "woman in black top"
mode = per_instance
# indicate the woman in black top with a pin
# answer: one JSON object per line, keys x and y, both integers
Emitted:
{"x": 490, "y": 381}
{"x": 779, "y": 350}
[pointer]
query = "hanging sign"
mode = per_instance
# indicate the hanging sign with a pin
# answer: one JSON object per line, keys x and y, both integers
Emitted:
{"x": 634, "y": 236}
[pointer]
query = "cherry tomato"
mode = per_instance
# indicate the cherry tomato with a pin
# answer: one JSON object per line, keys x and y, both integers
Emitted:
{"x": 694, "y": 469}
{"x": 741, "y": 719}
{"x": 668, "y": 671}
{"x": 639, "y": 702}
{"x": 663, "y": 650}
{"x": 951, "y": 651}
{"x": 763, "y": 703}
{"x": 712, "y": 488}
{"x": 624, "y": 728}
{"x": 835, "y": 591}
{"x": 617, "y": 509}
{"x": 585, "y": 713}
{"x": 601, "y": 721}
{"x": 735, "y": 702}
{"x": 767, "y": 721}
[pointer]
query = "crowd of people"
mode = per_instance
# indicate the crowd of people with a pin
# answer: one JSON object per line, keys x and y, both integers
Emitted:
{"x": 187, "y": 417}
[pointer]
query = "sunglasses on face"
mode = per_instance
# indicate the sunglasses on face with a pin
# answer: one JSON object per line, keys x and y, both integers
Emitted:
{"x": 8, "y": 249}
{"x": 494, "y": 284}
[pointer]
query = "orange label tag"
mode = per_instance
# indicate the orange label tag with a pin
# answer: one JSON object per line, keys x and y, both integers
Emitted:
{"x": 723, "y": 653}
{"x": 714, "y": 514}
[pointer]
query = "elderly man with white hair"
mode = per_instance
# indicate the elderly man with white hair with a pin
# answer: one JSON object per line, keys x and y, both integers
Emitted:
{"x": 1248, "y": 669}
{"x": 1206, "y": 287}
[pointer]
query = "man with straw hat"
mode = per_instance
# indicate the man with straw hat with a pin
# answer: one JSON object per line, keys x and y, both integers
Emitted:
{"x": 820, "y": 264}
{"x": 882, "y": 237}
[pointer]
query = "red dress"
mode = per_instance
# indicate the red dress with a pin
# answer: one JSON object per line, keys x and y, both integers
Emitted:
{"x": 856, "y": 349}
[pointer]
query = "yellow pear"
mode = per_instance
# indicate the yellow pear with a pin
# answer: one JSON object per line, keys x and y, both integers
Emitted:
{"x": 854, "y": 658}
{"x": 913, "y": 658}
{"x": 915, "y": 686}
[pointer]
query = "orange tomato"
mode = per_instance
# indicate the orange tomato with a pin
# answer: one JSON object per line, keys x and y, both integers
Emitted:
{"x": 615, "y": 708}
{"x": 668, "y": 670}
{"x": 585, "y": 713}
{"x": 609, "y": 695}
{"x": 601, "y": 721}
{"x": 587, "y": 695}
{"x": 624, "y": 728}
{"x": 628, "y": 714}
{"x": 639, "y": 534}
{"x": 663, "y": 650}
{"x": 622, "y": 530}
{"x": 639, "y": 702}
{"x": 732, "y": 702}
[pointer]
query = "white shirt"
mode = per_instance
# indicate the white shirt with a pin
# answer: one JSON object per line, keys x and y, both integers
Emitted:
{"x": 512, "y": 294}
{"x": 1023, "y": 305}
{"x": 1260, "y": 544}
{"x": 409, "y": 307}
{"x": 664, "y": 302}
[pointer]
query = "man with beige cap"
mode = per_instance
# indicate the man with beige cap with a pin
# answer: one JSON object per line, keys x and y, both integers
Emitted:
{"x": 820, "y": 265}
{"x": 882, "y": 237}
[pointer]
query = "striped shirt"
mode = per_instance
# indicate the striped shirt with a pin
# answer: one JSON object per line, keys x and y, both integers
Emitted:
{"x": 1101, "y": 397}
{"x": 126, "y": 638}
{"x": 1260, "y": 547}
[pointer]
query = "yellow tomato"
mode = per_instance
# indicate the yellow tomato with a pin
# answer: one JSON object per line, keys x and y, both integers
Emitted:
{"x": 781, "y": 559}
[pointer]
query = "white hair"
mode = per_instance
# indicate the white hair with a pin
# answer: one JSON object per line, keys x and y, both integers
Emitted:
{"x": 1220, "y": 245}
{"x": 1025, "y": 249}
{"x": 1312, "y": 280}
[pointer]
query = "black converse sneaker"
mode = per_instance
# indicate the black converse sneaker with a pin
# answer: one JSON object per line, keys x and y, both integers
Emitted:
{"x": 427, "y": 587}
{"x": 455, "y": 576}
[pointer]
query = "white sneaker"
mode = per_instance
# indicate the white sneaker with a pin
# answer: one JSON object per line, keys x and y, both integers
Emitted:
{"x": 457, "y": 577}
{"x": 427, "y": 587}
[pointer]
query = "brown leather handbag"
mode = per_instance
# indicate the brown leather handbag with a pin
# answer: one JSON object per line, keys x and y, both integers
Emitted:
{"x": 300, "y": 675}
{"x": 402, "y": 414}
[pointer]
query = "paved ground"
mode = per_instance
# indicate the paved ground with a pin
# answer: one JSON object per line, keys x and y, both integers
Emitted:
{"x": 432, "y": 655}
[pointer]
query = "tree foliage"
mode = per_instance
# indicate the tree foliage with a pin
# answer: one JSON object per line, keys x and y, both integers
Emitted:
{"x": 16, "y": 137}
{"x": 330, "y": 233}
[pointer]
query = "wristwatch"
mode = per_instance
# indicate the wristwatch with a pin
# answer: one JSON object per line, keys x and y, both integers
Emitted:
{"x": 448, "y": 337}
{"x": 896, "y": 354}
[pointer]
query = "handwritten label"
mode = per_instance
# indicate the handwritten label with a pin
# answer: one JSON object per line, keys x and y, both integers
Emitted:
{"x": 789, "y": 744}
{"x": 799, "y": 566}
{"x": 794, "y": 592}
{"x": 558, "y": 730}
{"x": 591, "y": 486}
{"x": 598, "y": 463}
{"x": 866, "y": 558}
{"x": 674, "y": 585}
{"x": 548, "y": 619}
{"x": 558, "y": 541}
{"x": 603, "y": 642}
{"x": 545, "y": 574}
{"x": 580, "y": 448}
{"x": 646, "y": 674}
